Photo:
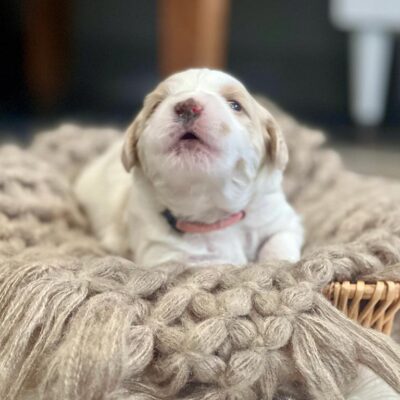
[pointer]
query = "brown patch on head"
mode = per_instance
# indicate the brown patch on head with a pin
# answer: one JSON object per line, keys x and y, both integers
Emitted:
{"x": 237, "y": 93}
{"x": 224, "y": 128}
{"x": 153, "y": 99}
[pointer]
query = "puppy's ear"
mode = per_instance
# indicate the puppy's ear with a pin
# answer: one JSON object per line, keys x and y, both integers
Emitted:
{"x": 129, "y": 155}
{"x": 276, "y": 146}
{"x": 276, "y": 149}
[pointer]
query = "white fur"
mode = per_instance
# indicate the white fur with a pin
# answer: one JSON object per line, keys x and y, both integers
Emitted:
{"x": 233, "y": 172}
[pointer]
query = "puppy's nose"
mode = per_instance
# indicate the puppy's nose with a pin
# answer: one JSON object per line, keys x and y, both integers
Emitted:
{"x": 188, "y": 110}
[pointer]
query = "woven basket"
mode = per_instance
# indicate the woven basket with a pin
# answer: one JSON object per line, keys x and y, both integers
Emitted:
{"x": 373, "y": 305}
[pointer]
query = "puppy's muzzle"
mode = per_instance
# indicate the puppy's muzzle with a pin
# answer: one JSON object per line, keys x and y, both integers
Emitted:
{"x": 188, "y": 110}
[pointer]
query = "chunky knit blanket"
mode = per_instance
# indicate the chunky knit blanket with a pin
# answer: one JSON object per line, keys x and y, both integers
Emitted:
{"x": 78, "y": 323}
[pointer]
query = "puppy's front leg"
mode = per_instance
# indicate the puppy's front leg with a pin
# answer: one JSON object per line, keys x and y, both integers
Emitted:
{"x": 281, "y": 246}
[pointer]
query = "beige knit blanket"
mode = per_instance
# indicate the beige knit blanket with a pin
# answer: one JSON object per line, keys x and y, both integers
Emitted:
{"x": 77, "y": 323}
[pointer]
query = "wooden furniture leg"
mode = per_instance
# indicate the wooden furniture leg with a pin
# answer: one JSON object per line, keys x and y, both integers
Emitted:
{"x": 192, "y": 33}
{"x": 46, "y": 42}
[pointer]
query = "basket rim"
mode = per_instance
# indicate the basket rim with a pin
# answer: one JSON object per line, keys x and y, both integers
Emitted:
{"x": 365, "y": 290}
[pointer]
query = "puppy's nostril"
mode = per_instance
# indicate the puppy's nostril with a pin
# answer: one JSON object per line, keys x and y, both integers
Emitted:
{"x": 197, "y": 109}
{"x": 188, "y": 109}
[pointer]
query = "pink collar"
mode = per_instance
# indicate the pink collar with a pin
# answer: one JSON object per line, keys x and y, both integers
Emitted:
{"x": 200, "y": 227}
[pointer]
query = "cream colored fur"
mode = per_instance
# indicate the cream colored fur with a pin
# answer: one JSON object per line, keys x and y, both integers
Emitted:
{"x": 240, "y": 167}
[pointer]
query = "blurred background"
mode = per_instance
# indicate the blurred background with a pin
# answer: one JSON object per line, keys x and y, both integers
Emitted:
{"x": 333, "y": 64}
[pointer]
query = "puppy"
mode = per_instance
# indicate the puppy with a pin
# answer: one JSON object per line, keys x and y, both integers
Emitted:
{"x": 197, "y": 179}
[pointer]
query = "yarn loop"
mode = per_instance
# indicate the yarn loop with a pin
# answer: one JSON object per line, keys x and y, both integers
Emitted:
{"x": 78, "y": 323}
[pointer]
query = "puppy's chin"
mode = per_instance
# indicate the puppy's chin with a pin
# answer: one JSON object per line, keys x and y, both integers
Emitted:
{"x": 192, "y": 150}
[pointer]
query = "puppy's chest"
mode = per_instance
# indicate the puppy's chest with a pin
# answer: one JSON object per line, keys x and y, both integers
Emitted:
{"x": 237, "y": 245}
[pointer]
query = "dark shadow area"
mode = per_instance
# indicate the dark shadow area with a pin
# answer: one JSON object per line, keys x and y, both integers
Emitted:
{"x": 287, "y": 50}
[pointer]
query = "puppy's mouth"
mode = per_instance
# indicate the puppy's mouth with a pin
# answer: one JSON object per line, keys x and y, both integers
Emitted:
{"x": 190, "y": 136}
{"x": 191, "y": 142}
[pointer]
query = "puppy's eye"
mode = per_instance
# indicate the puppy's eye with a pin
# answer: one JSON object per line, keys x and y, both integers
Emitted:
{"x": 235, "y": 105}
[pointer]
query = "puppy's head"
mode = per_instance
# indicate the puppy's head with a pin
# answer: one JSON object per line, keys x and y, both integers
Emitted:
{"x": 203, "y": 121}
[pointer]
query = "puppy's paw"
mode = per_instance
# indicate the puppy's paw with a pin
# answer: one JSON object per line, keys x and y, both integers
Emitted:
{"x": 113, "y": 243}
{"x": 282, "y": 246}
{"x": 287, "y": 254}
